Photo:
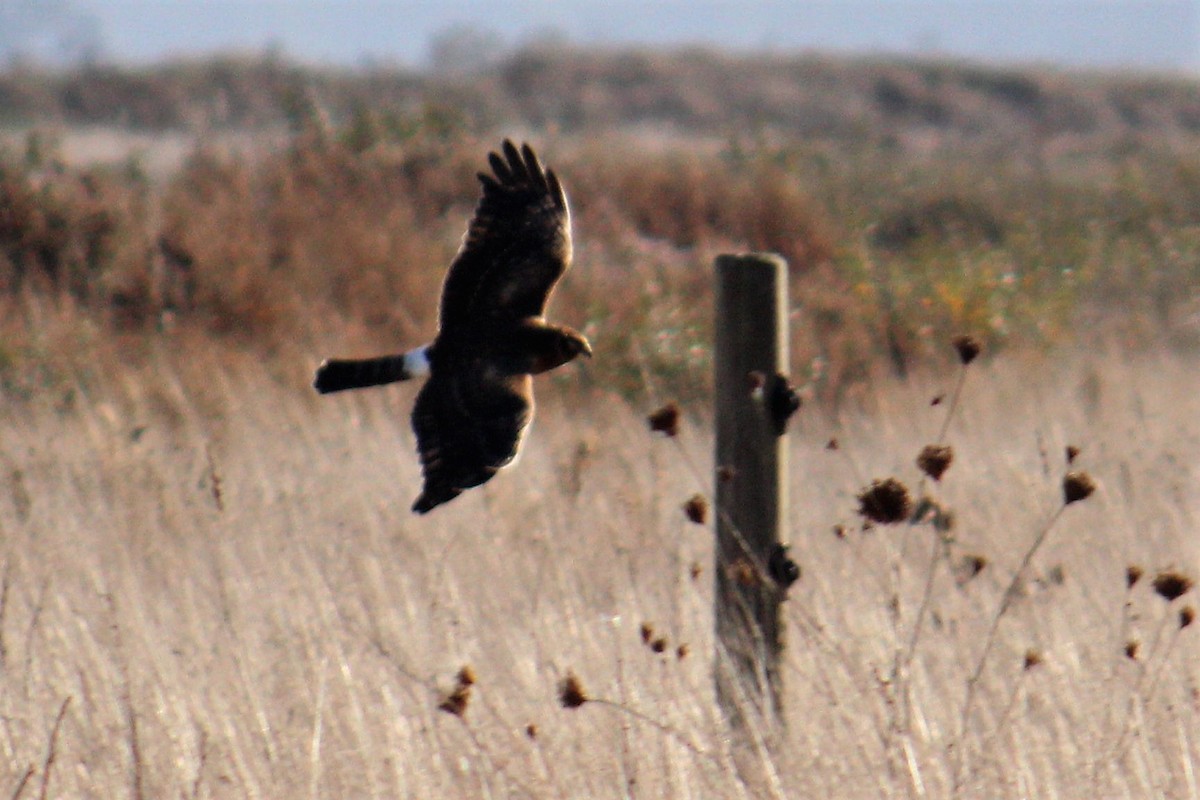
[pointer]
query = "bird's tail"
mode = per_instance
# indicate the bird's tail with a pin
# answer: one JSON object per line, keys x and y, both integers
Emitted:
{"x": 335, "y": 375}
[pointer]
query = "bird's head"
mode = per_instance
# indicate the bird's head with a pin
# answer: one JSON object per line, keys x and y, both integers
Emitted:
{"x": 558, "y": 346}
{"x": 575, "y": 344}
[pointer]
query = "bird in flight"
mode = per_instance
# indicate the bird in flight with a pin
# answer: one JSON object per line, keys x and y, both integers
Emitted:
{"x": 477, "y": 400}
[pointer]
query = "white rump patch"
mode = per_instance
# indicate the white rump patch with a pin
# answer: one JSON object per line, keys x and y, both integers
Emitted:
{"x": 416, "y": 362}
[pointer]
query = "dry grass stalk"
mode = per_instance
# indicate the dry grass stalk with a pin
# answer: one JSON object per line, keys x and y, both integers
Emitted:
{"x": 52, "y": 749}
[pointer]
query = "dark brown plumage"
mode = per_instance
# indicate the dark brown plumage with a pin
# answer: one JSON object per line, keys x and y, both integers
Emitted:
{"x": 471, "y": 413}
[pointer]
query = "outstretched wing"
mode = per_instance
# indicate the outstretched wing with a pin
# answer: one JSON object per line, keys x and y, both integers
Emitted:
{"x": 468, "y": 426}
{"x": 516, "y": 248}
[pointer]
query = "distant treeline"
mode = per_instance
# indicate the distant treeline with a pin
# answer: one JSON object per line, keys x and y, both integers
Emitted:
{"x": 572, "y": 89}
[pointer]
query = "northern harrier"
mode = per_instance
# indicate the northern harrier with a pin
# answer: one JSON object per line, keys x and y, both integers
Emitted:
{"x": 478, "y": 399}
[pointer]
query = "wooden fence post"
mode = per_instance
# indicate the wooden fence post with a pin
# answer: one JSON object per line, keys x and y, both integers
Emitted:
{"x": 751, "y": 491}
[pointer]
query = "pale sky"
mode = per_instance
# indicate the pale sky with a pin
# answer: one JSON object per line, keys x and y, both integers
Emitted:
{"x": 1149, "y": 33}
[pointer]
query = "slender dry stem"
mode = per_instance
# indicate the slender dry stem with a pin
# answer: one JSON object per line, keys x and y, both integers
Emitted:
{"x": 1006, "y": 601}
{"x": 52, "y": 749}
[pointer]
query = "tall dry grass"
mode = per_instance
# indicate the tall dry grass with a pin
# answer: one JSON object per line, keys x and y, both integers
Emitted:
{"x": 343, "y": 233}
{"x": 208, "y": 572}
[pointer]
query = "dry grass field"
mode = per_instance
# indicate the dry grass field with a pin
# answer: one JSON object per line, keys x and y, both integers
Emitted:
{"x": 211, "y": 587}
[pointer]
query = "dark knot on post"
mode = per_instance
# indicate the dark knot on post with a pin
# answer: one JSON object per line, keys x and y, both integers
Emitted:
{"x": 782, "y": 569}
{"x": 778, "y": 397}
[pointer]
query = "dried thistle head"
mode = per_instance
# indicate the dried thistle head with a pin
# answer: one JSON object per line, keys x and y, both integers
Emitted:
{"x": 1170, "y": 585}
{"x": 832, "y": 444}
{"x": 1187, "y": 615}
{"x": 665, "y": 420}
{"x": 967, "y": 347}
{"x": 1133, "y": 574}
{"x": 1072, "y": 454}
{"x": 466, "y": 675}
{"x": 934, "y": 460}
{"x": 682, "y": 651}
{"x": 531, "y": 731}
{"x": 1132, "y": 648}
{"x": 969, "y": 567}
{"x": 1033, "y": 658}
{"x": 1077, "y": 485}
{"x": 647, "y": 632}
{"x": 885, "y": 501}
{"x": 726, "y": 473}
{"x": 695, "y": 570}
{"x": 840, "y": 531}
{"x": 456, "y": 702}
{"x": 743, "y": 573}
{"x": 570, "y": 692}
{"x": 696, "y": 509}
{"x": 937, "y": 399}
{"x": 659, "y": 645}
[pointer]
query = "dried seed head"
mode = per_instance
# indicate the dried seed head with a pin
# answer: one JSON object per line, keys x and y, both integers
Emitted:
{"x": 743, "y": 573}
{"x": 970, "y": 566}
{"x": 937, "y": 399}
{"x": 696, "y": 509}
{"x": 885, "y": 501}
{"x": 1072, "y": 454}
{"x": 570, "y": 692}
{"x": 456, "y": 702}
{"x": 1171, "y": 585}
{"x": 531, "y": 731}
{"x": 647, "y": 632}
{"x": 1133, "y": 574}
{"x": 1187, "y": 615}
{"x": 1077, "y": 485}
{"x": 659, "y": 645}
{"x": 695, "y": 570}
{"x": 839, "y": 531}
{"x": 783, "y": 570}
{"x": 665, "y": 420}
{"x": 1033, "y": 658}
{"x": 725, "y": 473}
{"x": 934, "y": 460}
{"x": 967, "y": 347}
{"x": 1132, "y": 648}
{"x": 682, "y": 651}
{"x": 832, "y": 444}
{"x": 466, "y": 675}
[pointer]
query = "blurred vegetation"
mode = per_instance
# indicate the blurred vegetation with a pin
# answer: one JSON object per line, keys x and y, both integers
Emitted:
{"x": 912, "y": 201}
